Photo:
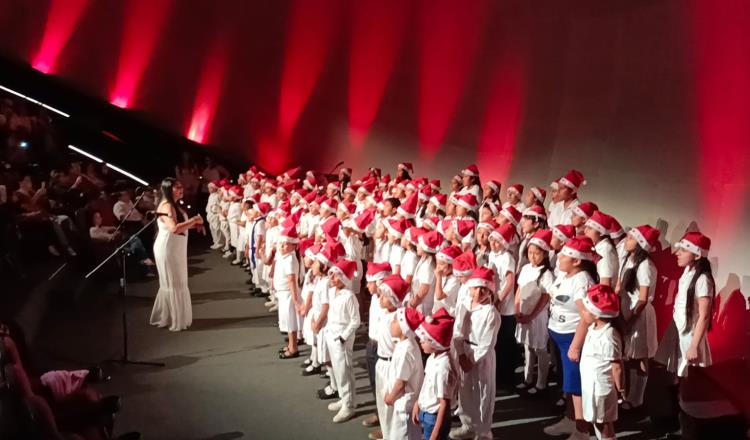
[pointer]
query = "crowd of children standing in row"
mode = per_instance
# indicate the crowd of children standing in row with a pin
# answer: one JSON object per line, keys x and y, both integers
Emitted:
{"x": 467, "y": 278}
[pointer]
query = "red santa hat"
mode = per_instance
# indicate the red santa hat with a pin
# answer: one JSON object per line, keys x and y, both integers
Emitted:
{"x": 309, "y": 183}
{"x": 412, "y": 185}
{"x": 512, "y": 214}
{"x": 539, "y": 193}
{"x": 406, "y": 166}
{"x": 289, "y": 234}
{"x": 431, "y": 223}
{"x": 482, "y": 277}
{"x": 435, "y": 185}
{"x": 321, "y": 199}
{"x": 580, "y": 247}
{"x": 330, "y": 205}
{"x": 327, "y": 255}
{"x": 385, "y": 180}
{"x": 695, "y": 242}
{"x": 516, "y": 188}
{"x": 537, "y": 212}
{"x": 463, "y": 227}
{"x": 600, "y": 222}
{"x": 308, "y": 248}
{"x": 467, "y": 200}
{"x": 213, "y": 184}
{"x": 291, "y": 174}
{"x": 615, "y": 228}
{"x": 573, "y": 179}
{"x": 310, "y": 197}
{"x": 647, "y": 237}
{"x": 430, "y": 241}
{"x": 236, "y": 191}
{"x": 495, "y": 185}
{"x": 490, "y": 225}
{"x": 504, "y": 234}
{"x": 448, "y": 254}
{"x": 363, "y": 222}
{"x": 408, "y": 208}
{"x": 602, "y": 301}
{"x": 425, "y": 193}
{"x": 395, "y": 288}
{"x": 564, "y": 232}
{"x": 585, "y": 209}
{"x": 464, "y": 264}
{"x": 471, "y": 170}
{"x": 437, "y": 330}
{"x": 263, "y": 208}
{"x": 439, "y": 200}
{"x": 413, "y": 233}
{"x": 347, "y": 207}
{"x": 377, "y": 271}
{"x": 369, "y": 186}
{"x": 331, "y": 227}
{"x": 408, "y": 319}
{"x": 542, "y": 239}
{"x": 346, "y": 270}
{"x": 397, "y": 226}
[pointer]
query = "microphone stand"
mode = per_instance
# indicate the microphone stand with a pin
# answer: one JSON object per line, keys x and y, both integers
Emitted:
{"x": 124, "y": 360}
{"x": 126, "y": 216}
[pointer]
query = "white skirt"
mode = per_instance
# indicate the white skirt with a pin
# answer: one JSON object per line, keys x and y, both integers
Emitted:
{"x": 287, "y": 312}
{"x": 534, "y": 333}
{"x": 641, "y": 340}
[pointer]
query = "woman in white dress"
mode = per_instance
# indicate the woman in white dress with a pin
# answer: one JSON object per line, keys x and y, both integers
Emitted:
{"x": 172, "y": 306}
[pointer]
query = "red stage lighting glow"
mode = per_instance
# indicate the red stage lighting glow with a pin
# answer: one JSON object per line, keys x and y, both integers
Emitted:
{"x": 449, "y": 36}
{"x": 722, "y": 69}
{"x": 61, "y": 20}
{"x": 377, "y": 31}
{"x": 209, "y": 91}
{"x": 309, "y": 34}
{"x": 503, "y": 116}
{"x": 273, "y": 154}
{"x": 144, "y": 19}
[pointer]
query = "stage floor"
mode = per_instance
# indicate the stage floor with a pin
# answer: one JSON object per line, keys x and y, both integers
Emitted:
{"x": 223, "y": 379}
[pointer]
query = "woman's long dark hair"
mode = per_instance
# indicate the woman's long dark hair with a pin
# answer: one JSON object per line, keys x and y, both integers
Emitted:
{"x": 167, "y": 195}
{"x": 629, "y": 278}
{"x": 590, "y": 267}
{"x": 546, "y": 265}
{"x": 702, "y": 266}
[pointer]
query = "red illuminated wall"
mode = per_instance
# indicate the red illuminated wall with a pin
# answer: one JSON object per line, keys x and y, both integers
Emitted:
{"x": 649, "y": 98}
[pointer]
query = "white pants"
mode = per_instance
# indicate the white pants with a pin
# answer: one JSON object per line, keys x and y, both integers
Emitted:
{"x": 342, "y": 362}
{"x": 322, "y": 348}
{"x": 224, "y": 229}
{"x": 477, "y": 397}
{"x": 401, "y": 424}
{"x": 541, "y": 358}
{"x": 385, "y": 412}
{"x": 214, "y": 226}
{"x": 258, "y": 278}
{"x": 287, "y": 312}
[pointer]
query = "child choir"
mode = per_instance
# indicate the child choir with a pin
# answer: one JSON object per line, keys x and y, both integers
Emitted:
{"x": 459, "y": 284}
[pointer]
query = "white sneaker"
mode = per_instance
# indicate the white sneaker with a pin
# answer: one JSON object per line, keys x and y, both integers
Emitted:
{"x": 462, "y": 432}
{"x": 564, "y": 426}
{"x": 343, "y": 415}
{"x": 578, "y": 435}
{"x": 335, "y": 406}
{"x": 227, "y": 254}
{"x": 273, "y": 308}
{"x": 236, "y": 261}
{"x": 269, "y": 303}
{"x": 560, "y": 402}
{"x": 216, "y": 246}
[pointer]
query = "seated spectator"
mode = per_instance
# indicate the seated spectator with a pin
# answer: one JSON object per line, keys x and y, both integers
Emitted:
{"x": 125, "y": 207}
{"x": 106, "y": 234}
{"x": 33, "y": 207}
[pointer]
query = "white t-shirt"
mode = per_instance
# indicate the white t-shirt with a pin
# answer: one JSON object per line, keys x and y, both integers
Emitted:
{"x": 408, "y": 264}
{"x": 565, "y": 292}
{"x": 271, "y": 236}
{"x": 234, "y": 212}
{"x": 645, "y": 275}
{"x": 559, "y": 214}
{"x": 440, "y": 380}
{"x": 375, "y": 314}
{"x": 608, "y": 264}
{"x": 321, "y": 295}
{"x": 121, "y": 209}
{"x": 475, "y": 332}
{"x": 529, "y": 275}
{"x": 284, "y": 265}
{"x": 451, "y": 287}
{"x": 702, "y": 290}
{"x": 601, "y": 347}
{"x": 406, "y": 365}
{"x": 395, "y": 254}
{"x": 425, "y": 274}
{"x": 502, "y": 263}
{"x": 383, "y": 334}
{"x": 343, "y": 314}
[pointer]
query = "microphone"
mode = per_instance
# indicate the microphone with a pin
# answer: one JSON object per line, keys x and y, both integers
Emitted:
{"x": 157, "y": 214}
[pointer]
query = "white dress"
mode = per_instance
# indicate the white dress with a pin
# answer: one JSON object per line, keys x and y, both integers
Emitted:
{"x": 172, "y": 306}
{"x": 534, "y": 333}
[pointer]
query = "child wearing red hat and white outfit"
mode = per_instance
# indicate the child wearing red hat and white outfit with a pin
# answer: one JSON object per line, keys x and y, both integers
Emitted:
{"x": 432, "y": 411}
{"x": 343, "y": 321}
{"x": 285, "y": 283}
{"x": 597, "y": 229}
{"x": 561, "y": 212}
{"x": 447, "y": 283}
{"x": 567, "y": 330}
{"x": 405, "y": 373}
{"x": 532, "y": 310}
{"x": 514, "y": 193}
{"x": 391, "y": 293}
{"x": 601, "y": 371}
{"x": 504, "y": 266}
{"x": 685, "y": 341}
{"x": 422, "y": 295}
{"x": 636, "y": 287}
{"x": 475, "y": 334}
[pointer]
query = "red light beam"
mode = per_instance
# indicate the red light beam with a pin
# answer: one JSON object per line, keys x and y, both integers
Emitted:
{"x": 61, "y": 20}
{"x": 144, "y": 19}
{"x": 209, "y": 90}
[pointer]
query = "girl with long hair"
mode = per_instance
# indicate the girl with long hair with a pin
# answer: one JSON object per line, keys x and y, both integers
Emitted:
{"x": 172, "y": 307}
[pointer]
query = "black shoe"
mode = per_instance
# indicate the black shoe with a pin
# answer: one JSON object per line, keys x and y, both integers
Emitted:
{"x": 306, "y": 363}
{"x": 323, "y": 396}
{"x": 314, "y": 371}
{"x": 250, "y": 283}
